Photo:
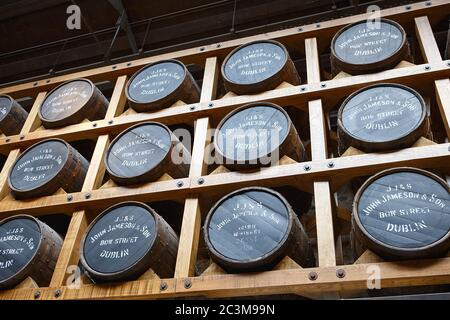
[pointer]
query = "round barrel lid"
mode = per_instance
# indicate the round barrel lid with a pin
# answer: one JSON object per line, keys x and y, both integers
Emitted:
{"x": 20, "y": 238}
{"x": 5, "y": 106}
{"x": 156, "y": 81}
{"x": 252, "y": 131}
{"x": 66, "y": 100}
{"x": 38, "y": 165}
{"x": 117, "y": 239}
{"x": 382, "y": 113}
{"x": 247, "y": 225}
{"x": 365, "y": 43}
{"x": 138, "y": 150}
{"x": 254, "y": 62}
{"x": 404, "y": 209}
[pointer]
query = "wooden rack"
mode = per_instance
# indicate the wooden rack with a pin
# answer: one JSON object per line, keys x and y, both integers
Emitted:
{"x": 320, "y": 176}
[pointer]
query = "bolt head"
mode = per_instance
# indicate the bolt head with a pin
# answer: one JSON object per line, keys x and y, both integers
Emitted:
{"x": 300, "y": 29}
{"x": 187, "y": 283}
{"x": 22, "y": 137}
{"x": 57, "y": 293}
{"x": 408, "y": 7}
{"x": 180, "y": 184}
{"x": 201, "y": 181}
{"x": 307, "y": 167}
{"x": 210, "y": 105}
{"x": 7, "y": 140}
{"x": 69, "y": 198}
{"x": 87, "y": 196}
{"x": 427, "y": 67}
{"x": 340, "y": 273}
{"x": 94, "y": 125}
{"x": 330, "y": 164}
{"x": 37, "y": 294}
{"x": 163, "y": 286}
{"x": 110, "y": 122}
{"x": 313, "y": 276}
{"x": 192, "y": 108}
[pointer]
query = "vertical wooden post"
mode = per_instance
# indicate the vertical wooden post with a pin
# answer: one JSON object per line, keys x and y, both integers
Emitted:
{"x": 190, "y": 229}
{"x": 70, "y": 250}
{"x": 319, "y": 151}
{"x": 427, "y": 42}
{"x": 442, "y": 90}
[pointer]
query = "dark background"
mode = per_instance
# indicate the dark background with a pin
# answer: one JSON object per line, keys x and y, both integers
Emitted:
{"x": 37, "y": 44}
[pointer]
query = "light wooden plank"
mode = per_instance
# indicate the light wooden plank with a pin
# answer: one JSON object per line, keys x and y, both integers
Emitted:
{"x": 210, "y": 80}
{"x": 427, "y": 41}
{"x": 442, "y": 89}
{"x": 312, "y": 60}
{"x": 318, "y": 132}
{"x": 324, "y": 224}
{"x": 188, "y": 246}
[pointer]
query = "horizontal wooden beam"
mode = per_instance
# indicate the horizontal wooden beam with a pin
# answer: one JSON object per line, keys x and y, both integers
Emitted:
{"x": 333, "y": 170}
{"x": 65, "y": 203}
{"x": 356, "y": 277}
{"x": 296, "y": 95}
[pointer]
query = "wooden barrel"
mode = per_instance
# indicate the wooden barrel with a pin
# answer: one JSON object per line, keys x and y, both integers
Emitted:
{"x": 72, "y": 102}
{"x": 12, "y": 116}
{"x": 252, "y": 229}
{"x": 161, "y": 84}
{"x": 367, "y": 47}
{"x": 144, "y": 152}
{"x": 382, "y": 117}
{"x": 28, "y": 248}
{"x": 256, "y": 135}
{"x": 45, "y": 167}
{"x": 402, "y": 213}
{"x": 127, "y": 239}
{"x": 258, "y": 66}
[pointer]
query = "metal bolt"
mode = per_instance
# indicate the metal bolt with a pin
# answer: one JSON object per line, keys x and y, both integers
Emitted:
{"x": 22, "y": 137}
{"x": 87, "y": 196}
{"x": 300, "y": 29}
{"x": 187, "y": 283}
{"x": 163, "y": 286}
{"x": 318, "y": 25}
{"x": 428, "y": 3}
{"x": 69, "y": 197}
{"x": 218, "y": 45}
{"x": 323, "y": 85}
{"x": 340, "y": 273}
{"x": 408, "y": 7}
{"x": 303, "y": 89}
{"x": 201, "y": 181}
{"x": 210, "y": 105}
{"x": 129, "y": 64}
{"x": 307, "y": 167}
{"x": 37, "y": 294}
{"x": 57, "y": 293}
{"x": 449, "y": 149}
{"x": 114, "y": 67}
{"x": 35, "y": 84}
{"x": 330, "y": 164}
{"x": 8, "y": 140}
{"x": 180, "y": 184}
{"x": 313, "y": 276}
{"x": 448, "y": 63}
{"x": 202, "y": 49}
{"x": 427, "y": 67}
{"x": 94, "y": 125}
{"x": 48, "y": 81}
{"x": 110, "y": 122}
{"x": 192, "y": 108}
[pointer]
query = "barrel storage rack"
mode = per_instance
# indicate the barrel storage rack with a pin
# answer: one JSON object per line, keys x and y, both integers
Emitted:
{"x": 321, "y": 176}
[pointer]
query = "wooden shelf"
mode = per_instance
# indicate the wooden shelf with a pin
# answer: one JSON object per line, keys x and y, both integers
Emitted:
{"x": 322, "y": 176}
